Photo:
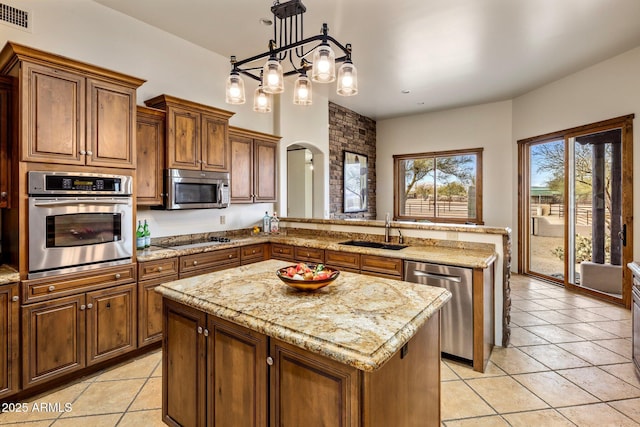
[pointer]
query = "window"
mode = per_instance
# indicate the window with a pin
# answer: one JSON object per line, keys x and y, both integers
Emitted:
{"x": 439, "y": 187}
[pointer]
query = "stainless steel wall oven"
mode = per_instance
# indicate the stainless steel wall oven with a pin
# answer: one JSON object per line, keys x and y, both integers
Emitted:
{"x": 78, "y": 221}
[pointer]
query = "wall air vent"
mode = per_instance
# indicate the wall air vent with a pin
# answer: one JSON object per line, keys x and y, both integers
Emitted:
{"x": 15, "y": 17}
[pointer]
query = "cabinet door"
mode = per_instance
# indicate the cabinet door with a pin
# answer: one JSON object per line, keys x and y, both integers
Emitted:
{"x": 303, "y": 254}
{"x": 5, "y": 135}
{"x": 265, "y": 176}
{"x": 183, "y": 139}
{"x": 310, "y": 390}
{"x": 214, "y": 144}
{"x": 184, "y": 376}
{"x": 53, "y": 130}
{"x": 241, "y": 169}
{"x": 53, "y": 339}
{"x": 149, "y": 156}
{"x": 110, "y": 125}
{"x": 9, "y": 339}
{"x": 237, "y": 364}
{"x": 150, "y": 310}
{"x": 111, "y": 322}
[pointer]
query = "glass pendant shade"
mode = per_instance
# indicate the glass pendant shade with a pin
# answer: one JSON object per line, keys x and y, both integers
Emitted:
{"x": 302, "y": 90}
{"x": 324, "y": 64}
{"x": 347, "y": 79}
{"x": 261, "y": 101}
{"x": 272, "y": 76}
{"x": 235, "y": 89}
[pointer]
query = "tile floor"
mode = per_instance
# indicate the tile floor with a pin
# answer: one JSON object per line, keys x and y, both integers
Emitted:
{"x": 569, "y": 364}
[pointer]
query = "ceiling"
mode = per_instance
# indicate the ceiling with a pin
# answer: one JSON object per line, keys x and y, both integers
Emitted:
{"x": 446, "y": 53}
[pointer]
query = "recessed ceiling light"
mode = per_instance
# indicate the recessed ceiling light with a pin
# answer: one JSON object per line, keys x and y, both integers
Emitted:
{"x": 405, "y": 91}
{"x": 266, "y": 22}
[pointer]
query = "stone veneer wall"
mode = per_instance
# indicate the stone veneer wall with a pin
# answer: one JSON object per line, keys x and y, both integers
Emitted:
{"x": 350, "y": 131}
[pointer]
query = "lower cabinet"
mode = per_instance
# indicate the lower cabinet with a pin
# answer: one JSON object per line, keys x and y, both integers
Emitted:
{"x": 66, "y": 334}
{"x": 150, "y": 275}
{"x": 9, "y": 339}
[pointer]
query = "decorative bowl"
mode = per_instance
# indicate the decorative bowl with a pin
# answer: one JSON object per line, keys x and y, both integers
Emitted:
{"x": 307, "y": 285}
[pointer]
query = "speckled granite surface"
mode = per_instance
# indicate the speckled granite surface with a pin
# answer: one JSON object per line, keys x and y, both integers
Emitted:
{"x": 8, "y": 275}
{"x": 357, "y": 320}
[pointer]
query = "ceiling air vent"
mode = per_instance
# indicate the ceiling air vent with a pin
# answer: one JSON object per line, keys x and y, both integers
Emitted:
{"x": 14, "y": 17}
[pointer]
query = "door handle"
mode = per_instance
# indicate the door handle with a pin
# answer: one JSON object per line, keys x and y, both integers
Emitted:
{"x": 622, "y": 234}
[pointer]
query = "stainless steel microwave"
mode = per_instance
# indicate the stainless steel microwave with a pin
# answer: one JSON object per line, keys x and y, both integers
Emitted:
{"x": 188, "y": 189}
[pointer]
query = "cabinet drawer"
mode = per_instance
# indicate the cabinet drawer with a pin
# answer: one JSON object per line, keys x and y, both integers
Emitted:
{"x": 69, "y": 284}
{"x": 214, "y": 260}
{"x": 308, "y": 254}
{"x": 379, "y": 264}
{"x": 153, "y": 269}
{"x": 342, "y": 259}
{"x": 252, "y": 253}
{"x": 284, "y": 252}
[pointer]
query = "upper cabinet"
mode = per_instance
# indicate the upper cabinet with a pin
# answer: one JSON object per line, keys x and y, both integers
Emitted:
{"x": 253, "y": 166}
{"x": 150, "y": 147}
{"x": 196, "y": 135}
{"x": 72, "y": 112}
{"x": 5, "y": 121}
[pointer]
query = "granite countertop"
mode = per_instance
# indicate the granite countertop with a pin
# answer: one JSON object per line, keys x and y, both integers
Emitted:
{"x": 635, "y": 268}
{"x": 457, "y": 256}
{"x": 8, "y": 275}
{"x": 358, "y": 320}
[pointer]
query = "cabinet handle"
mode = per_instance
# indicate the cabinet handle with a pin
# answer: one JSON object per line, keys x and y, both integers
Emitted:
{"x": 159, "y": 269}
{"x": 230, "y": 256}
{"x": 195, "y": 262}
{"x": 117, "y": 276}
{"x": 90, "y": 153}
{"x": 253, "y": 251}
{"x": 83, "y": 152}
{"x": 52, "y": 288}
{"x": 269, "y": 360}
{"x": 3, "y": 195}
{"x": 82, "y": 307}
{"x": 199, "y": 329}
{"x": 90, "y": 306}
{"x": 15, "y": 298}
{"x": 206, "y": 332}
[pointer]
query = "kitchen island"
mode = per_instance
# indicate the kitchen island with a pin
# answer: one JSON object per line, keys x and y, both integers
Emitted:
{"x": 242, "y": 348}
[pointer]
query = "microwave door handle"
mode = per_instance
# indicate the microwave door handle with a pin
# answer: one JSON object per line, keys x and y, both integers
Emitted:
{"x": 78, "y": 202}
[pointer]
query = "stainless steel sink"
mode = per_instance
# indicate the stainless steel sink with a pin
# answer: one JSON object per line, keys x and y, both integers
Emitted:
{"x": 375, "y": 245}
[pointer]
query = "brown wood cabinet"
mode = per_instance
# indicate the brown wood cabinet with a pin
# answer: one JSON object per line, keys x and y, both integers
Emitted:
{"x": 313, "y": 255}
{"x": 5, "y": 140}
{"x": 381, "y": 266}
{"x": 9, "y": 339}
{"x": 253, "y": 166}
{"x": 283, "y": 252}
{"x": 253, "y": 253}
{"x": 196, "y": 134}
{"x": 150, "y": 275}
{"x": 214, "y": 372}
{"x": 206, "y": 262}
{"x": 71, "y": 112}
{"x": 150, "y": 143}
{"x": 347, "y": 261}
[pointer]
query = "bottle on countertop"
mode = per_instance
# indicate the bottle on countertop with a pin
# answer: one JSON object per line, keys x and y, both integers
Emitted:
{"x": 147, "y": 234}
{"x": 266, "y": 222}
{"x": 275, "y": 223}
{"x": 140, "y": 237}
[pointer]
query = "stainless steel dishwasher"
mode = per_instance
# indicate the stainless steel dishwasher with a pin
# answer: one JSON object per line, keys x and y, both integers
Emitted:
{"x": 456, "y": 328}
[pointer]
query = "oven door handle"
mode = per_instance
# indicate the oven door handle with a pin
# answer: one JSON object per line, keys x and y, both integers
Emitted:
{"x": 80, "y": 202}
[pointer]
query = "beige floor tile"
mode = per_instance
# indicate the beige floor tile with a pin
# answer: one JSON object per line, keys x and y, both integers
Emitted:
{"x": 505, "y": 394}
{"x": 601, "y": 384}
{"x": 597, "y": 415}
{"x": 545, "y": 417}
{"x": 460, "y": 401}
{"x": 593, "y": 353}
{"x": 612, "y": 312}
{"x": 522, "y": 318}
{"x": 620, "y": 328}
{"x": 150, "y": 397}
{"x": 490, "y": 421}
{"x": 587, "y": 331}
{"x": 581, "y": 301}
{"x": 446, "y": 373}
{"x": 622, "y": 346}
{"x": 553, "y": 333}
{"x": 552, "y": 316}
{"x": 528, "y": 305}
{"x": 151, "y": 418}
{"x": 555, "y": 389}
{"x": 105, "y": 397}
{"x": 45, "y": 407}
{"x": 554, "y": 357}
{"x": 514, "y": 361}
{"x": 138, "y": 368}
{"x": 466, "y": 372}
{"x": 554, "y": 303}
{"x": 630, "y": 407}
{"x": 520, "y": 337}
{"x": 583, "y": 315}
{"x": 108, "y": 420}
{"x": 624, "y": 371}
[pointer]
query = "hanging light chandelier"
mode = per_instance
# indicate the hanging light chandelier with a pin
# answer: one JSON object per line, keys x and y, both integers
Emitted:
{"x": 289, "y": 46}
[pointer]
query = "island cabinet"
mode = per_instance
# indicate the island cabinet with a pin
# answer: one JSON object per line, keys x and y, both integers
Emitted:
{"x": 9, "y": 339}
{"x": 95, "y": 320}
{"x": 253, "y": 166}
{"x": 150, "y": 152}
{"x": 196, "y": 135}
{"x": 5, "y": 140}
{"x": 150, "y": 275}
{"x": 71, "y": 112}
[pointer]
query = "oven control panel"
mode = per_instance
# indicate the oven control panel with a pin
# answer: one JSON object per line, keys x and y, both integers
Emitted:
{"x": 78, "y": 183}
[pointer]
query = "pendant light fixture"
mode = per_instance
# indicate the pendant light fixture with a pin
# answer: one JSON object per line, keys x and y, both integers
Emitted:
{"x": 289, "y": 47}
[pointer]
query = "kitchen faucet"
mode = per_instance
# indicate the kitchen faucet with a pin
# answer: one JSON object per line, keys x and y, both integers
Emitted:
{"x": 387, "y": 228}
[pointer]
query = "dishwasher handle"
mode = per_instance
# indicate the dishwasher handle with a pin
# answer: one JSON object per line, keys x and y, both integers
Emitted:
{"x": 437, "y": 276}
